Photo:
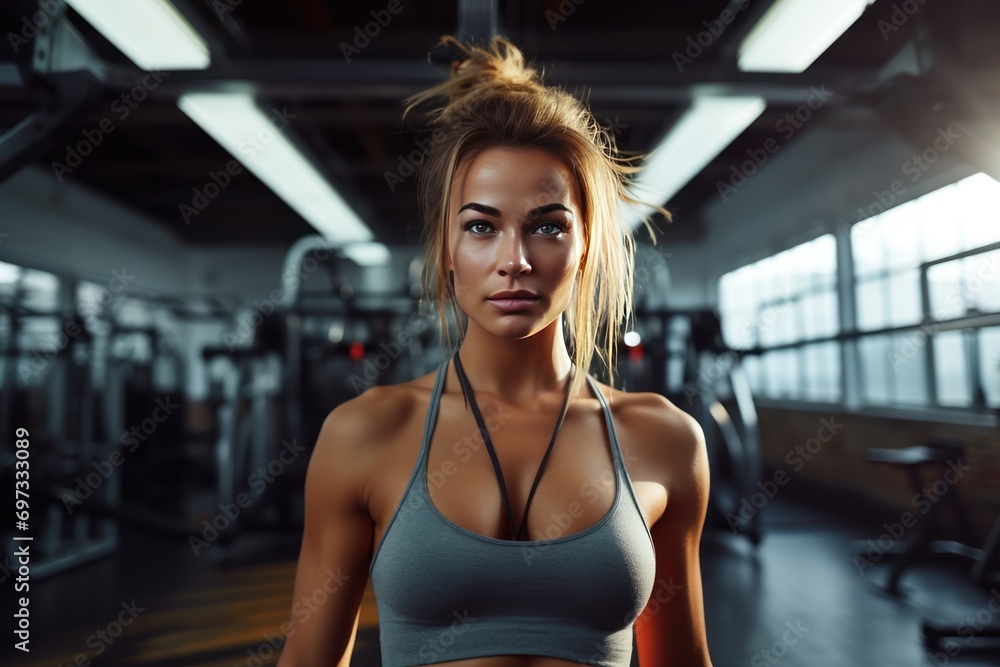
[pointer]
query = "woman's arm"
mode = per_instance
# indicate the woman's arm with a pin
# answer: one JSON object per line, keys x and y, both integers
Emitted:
{"x": 671, "y": 630}
{"x": 332, "y": 570}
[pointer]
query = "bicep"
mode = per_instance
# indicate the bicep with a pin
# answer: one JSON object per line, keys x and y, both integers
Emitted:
{"x": 332, "y": 570}
{"x": 671, "y": 629}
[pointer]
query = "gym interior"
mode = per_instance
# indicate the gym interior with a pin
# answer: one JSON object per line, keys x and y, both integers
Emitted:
{"x": 210, "y": 238}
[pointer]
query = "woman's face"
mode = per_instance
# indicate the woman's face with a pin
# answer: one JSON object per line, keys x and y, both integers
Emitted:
{"x": 515, "y": 224}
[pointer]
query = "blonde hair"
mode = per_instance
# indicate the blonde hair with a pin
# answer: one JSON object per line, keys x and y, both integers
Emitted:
{"x": 495, "y": 100}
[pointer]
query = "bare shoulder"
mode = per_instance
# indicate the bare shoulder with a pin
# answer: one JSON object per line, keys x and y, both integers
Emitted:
{"x": 355, "y": 437}
{"x": 373, "y": 417}
{"x": 360, "y": 428}
{"x": 669, "y": 440}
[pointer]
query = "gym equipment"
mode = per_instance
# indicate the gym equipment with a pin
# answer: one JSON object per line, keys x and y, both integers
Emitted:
{"x": 51, "y": 391}
{"x": 143, "y": 415}
{"x": 987, "y": 563}
{"x": 693, "y": 367}
{"x": 245, "y": 385}
{"x": 340, "y": 341}
{"x": 936, "y": 455}
{"x": 146, "y": 384}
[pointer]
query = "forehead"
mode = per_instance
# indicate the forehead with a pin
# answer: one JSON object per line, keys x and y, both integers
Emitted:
{"x": 513, "y": 173}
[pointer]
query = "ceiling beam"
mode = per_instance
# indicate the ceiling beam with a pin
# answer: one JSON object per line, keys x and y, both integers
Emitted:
{"x": 392, "y": 80}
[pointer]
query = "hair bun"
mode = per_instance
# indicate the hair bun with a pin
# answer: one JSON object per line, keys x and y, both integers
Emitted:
{"x": 476, "y": 69}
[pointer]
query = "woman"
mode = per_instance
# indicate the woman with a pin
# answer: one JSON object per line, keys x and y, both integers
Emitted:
{"x": 434, "y": 487}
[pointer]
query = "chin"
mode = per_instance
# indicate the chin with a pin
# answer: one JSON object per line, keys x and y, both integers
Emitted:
{"x": 515, "y": 325}
{"x": 514, "y": 330}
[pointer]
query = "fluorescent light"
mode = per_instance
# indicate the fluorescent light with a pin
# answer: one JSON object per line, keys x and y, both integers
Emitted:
{"x": 367, "y": 254}
{"x": 792, "y": 34}
{"x": 711, "y": 124}
{"x": 152, "y": 33}
{"x": 258, "y": 143}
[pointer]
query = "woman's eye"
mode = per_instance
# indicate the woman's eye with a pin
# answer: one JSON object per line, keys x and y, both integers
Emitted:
{"x": 480, "y": 228}
{"x": 472, "y": 225}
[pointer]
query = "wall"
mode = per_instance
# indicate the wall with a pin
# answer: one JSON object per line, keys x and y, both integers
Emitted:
{"x": 841, "y": 460}
{"x": 67, "y": 228}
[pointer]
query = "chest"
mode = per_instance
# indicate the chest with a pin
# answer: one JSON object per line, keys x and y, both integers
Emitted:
{"x": 576, "y": 489}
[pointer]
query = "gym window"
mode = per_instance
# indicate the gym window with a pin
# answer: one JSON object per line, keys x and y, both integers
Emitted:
{"x": 787, "y": 301}
{"x": 934, "y": 262}
{"x": 925, "y": 278}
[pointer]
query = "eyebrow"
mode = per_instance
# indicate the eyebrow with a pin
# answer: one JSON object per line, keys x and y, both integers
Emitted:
{"x": 495, "y": 212}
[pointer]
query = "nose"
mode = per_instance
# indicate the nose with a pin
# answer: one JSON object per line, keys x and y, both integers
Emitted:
{"x": 514, "y": 259}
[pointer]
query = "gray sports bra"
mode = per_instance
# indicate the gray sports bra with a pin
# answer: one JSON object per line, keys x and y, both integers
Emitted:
{"x": 446, "y": 593}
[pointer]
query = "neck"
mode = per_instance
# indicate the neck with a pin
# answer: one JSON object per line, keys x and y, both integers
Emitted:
{"x": 516, "y": 370}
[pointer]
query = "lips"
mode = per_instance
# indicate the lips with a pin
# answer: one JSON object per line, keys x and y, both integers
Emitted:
{"x": 514, "y": 294}
{"x": 513, "y": 304}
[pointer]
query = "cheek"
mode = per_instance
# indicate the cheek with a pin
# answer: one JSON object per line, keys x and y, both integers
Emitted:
{"x": 469, "y": 267}
{"x": 470, "y": 258}
{"x": 562, "y": 264}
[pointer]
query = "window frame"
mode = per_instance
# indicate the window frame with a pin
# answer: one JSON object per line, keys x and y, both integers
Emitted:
{"x": 852, "y": 393}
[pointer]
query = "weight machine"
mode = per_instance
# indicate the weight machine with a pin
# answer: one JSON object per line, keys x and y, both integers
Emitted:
{"x": 689, "y": 362}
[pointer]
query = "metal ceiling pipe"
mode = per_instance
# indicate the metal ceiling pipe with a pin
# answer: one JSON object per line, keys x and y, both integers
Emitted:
{"x": 477, "y": 20}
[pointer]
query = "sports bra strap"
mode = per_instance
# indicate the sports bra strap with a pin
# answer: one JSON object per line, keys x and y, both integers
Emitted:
{"x": 471, "y": 400}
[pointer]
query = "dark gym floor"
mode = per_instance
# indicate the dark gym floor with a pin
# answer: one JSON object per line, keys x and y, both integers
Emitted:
{"x": 196, "y": 614}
